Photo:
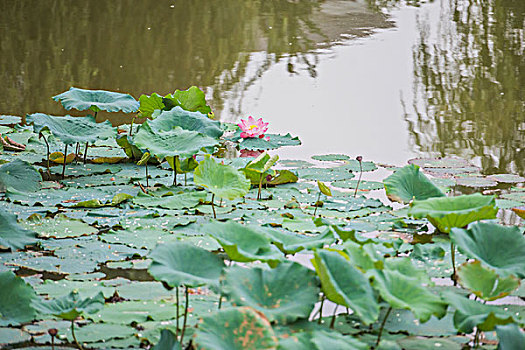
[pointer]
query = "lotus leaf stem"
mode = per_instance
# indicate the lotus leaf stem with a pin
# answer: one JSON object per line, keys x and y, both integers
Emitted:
{"x": 175, "y": 170}
{"x": 147, "y": 175}
{"x": 185, "y": 179}
{"x": 64, "y": 165}
{"x": 186, "y": 293}
{"x": 47, "y": 146}
{"x": 213, "y": 206}
{"x": 333, "y": 318}
{"x": 453, "y": 256}
{"x": 383, "y": 326}
{"x": 131, "y": 127}
{"x": 321, "y": 310}
{"x": 177, "y": 312}
{"x": 77, "y": 149}
{"x": 73, "y": 334}
{"x": 260, "y": 187}
{"x": 359, "y": 159}
{"x": 85, "y": 152}
{"x": 318, "y": 198}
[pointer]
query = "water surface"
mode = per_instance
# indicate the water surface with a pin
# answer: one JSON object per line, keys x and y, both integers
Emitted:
{"x": 382, "y": 79}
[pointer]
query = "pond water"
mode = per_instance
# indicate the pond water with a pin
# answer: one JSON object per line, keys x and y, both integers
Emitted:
{"x": 379, "y": 78}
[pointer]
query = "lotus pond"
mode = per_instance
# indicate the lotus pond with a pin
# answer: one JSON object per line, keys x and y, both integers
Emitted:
{"x": 154, "y": 235}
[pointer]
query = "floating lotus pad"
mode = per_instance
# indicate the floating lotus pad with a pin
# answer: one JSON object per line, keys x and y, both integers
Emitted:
{"x": 71, "y": 306}
{"x": 12, "y": 235}
{"x": 276, "y": 141}
{"x": 475, "y": 181}
{"x": 19, "y": 175}
{"x": 364, "y": 185}
{"x": 97, "y": 100}
{"x": 283, "y": 294}
{"x": 409, "y": 183}
{"x": 507, "y": 178}
{"x": 448, "y": 212}
{"x": 71, "y": 130}
{"x": 331, "y": 157}
{"x": 446, "y": 162}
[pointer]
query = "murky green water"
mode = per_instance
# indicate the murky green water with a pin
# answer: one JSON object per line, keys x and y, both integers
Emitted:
{"x": 356, "y": 77}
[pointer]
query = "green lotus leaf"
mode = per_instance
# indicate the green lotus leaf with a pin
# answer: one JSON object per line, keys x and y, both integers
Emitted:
{"x": 19, "y": 175}
{"x": 10, "y": 119}
{"x": 448, "y": 212}
{"x": 182, "y": 166}
{"x": 405, "y": 292}
{"x": 173, "y": 142}
{"x": 192, "y": 100}
{"x": 15, "y": 300}
{"x": 331, "y": 157}
{"x": 409, "y": 183}
{"x": 131, "y": 150}
{"x": 294, "y": 163}
{"x": 97, "y": 100}
{"x": 148, "y": 104}
{"x": 291, "y": 243}
{"x": 324, "y": 174}
{"x": 475, "y": 181}
{"x": 283, "y": 294}
{"x": 276, "y": 141}
{"x": 71, "y": 130}
{"x": 139, "y": 311}
{"x": 181, "y": 263}
{"x": 13, "y": 336}
{"x": 167, "y": 341}
{"x": 345, "y": 285}
{"x": 281, "y": 177}
{"x": 470, "y": 314}
{"x": 507, "y": 178}
{"x": 243, "y": 243}
{"x": 510, "y": 337}
{"x": 224, "y": 181}
{"x": 59, "y": 227}
{"x": 499, "y": 247}
{"x": 262, "y": 163}
{"x": 318, "y": 339}
{"x": 355, "y": 166}
{"x": 432, "y": 343}
{"x": 235, "y": 329}
{"x": 484, "y": 282}
{"x": 183, "y": 200}
{"x": 193, "y": 121}
{"x": 70, "y": 306}
{"x": 363, "y": 184}
{"x": 12, "y": 235}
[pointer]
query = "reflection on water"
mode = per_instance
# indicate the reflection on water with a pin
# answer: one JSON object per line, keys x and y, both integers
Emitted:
{"x": 145, "y": 46}
{"x": 469, "y": 96}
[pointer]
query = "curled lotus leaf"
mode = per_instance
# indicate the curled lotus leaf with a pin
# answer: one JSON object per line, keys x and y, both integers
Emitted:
{"x": 71, "y": 306}
{"x": 148, "y": 104}
{"x": 15, "y": 299}
{"x": 173, "y": 142}
{"x": 192, "y": 99}
{"x": 484, "y": 282}
{"x": 448, "y": 212}
{"x": 168, "y": 341}
{"x": 283, "y": 294}
{"x": 71, "y": 130}
{"x": 498, "y": 247}
{"x": 410, "y": 183}
{"x": 235, "y": 329}
{"x": 345, "y": 285}
{"x": 222, "y": 180}
{"x": 97, "y": 100}
{"x": 180, "y": 263}
{"x": 193, "y": 121}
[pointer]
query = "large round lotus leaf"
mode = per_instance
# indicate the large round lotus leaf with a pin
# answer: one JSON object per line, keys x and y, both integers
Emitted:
{"x": 71, "y": 306}
{"x": 484, "y": 282}
{"x": 173, "y": 142}
{"x": 101, "y": 332}
{"x": 324, "y": 174}
{"x": 447, "y": 162}
{"x": 291, "y": 243}
{"x": 15, "y": 300}
{"x": 363, "y": 184}
{"x": 276, "y": 141}
{"x": 140, "y": 311}
{"x": 507, "y": 178}
{"x": 404, "y": 292}
{"x": 470, "y": 314}
{"x": 327, "y": 340}
{"x": 177, "y": 201}
{"x": 283, "y": 294}
{"x": 71, "y": 130}
{"x": 19, "y": 175}
{"x": 192, "y": 100}
{"x": 13, "y": 336}
{"x": 448, "y": 212}
{"x": 243, "y": 243}
{"x": 181, "y": 263}
{"x": 420, "y": 343}
{"x": 355, "y": 166}
{"x": 97, "y": 100}
{"x": 235, "y": 329}
{"x": 224, "y": 181}
{"x": 510, "y": 337}
{"x": 409, "y": 183}
{"x": 345, "y": 285}
{"x": 499, "y": 247}
{"x": 193, "y": 121}
{"x": 12, "y": 235}
{"x": 475, "y": 181}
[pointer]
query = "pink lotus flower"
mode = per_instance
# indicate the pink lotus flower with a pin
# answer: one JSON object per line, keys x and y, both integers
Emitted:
{"x": 252, "y": 128}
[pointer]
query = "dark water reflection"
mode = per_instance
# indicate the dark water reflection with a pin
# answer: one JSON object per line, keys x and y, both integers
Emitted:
{"x": 469, "y": 96}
